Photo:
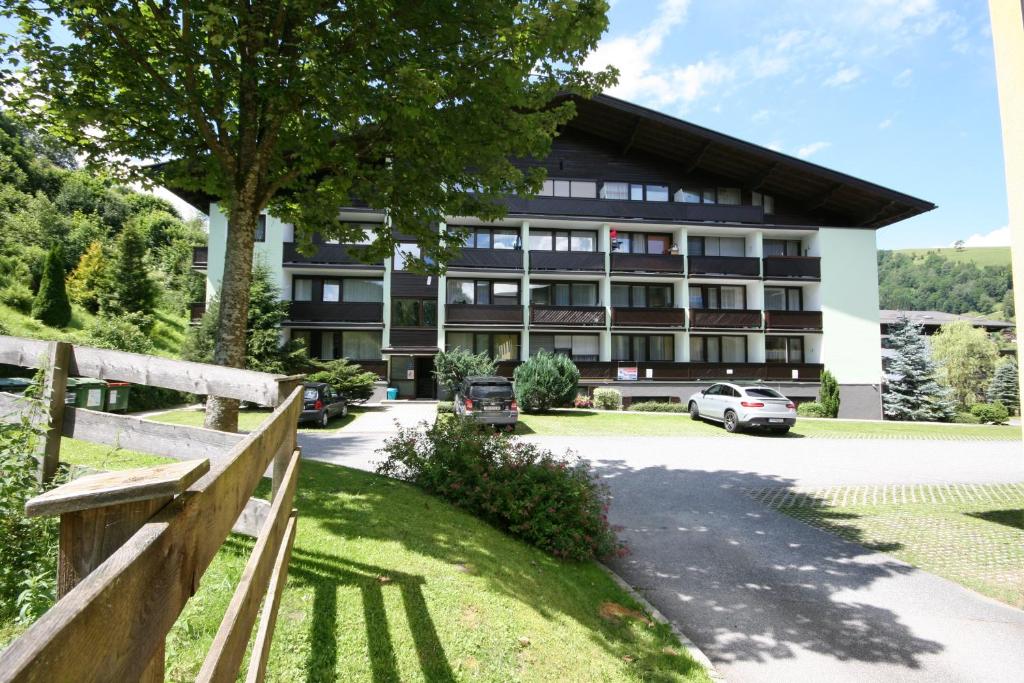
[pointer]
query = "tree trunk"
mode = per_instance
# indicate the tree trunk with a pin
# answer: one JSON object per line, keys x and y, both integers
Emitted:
{"x": 229, "y": 350}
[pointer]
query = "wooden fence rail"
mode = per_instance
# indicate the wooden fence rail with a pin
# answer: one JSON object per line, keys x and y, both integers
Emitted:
{"x": 135, "y": 544}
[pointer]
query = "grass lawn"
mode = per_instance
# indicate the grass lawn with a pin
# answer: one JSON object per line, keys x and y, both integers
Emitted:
{"x": 625, "y": 423}
{"x": 387, "y": 583}
{"x": 248, "y": 419}
{"x": 983, "y": 256}
{"x": 971, "y": 534}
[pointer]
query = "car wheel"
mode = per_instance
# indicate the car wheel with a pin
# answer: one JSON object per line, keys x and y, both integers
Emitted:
{"x": 732, "y": 423}
{"x": 324, "y": 420}
{"x": 694, "y": 411}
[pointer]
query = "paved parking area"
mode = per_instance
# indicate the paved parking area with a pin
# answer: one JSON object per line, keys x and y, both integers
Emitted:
{"x": 355, "y": 445}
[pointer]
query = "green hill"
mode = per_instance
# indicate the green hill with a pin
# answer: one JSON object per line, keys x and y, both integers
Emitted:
{"x": 982, "y": 256}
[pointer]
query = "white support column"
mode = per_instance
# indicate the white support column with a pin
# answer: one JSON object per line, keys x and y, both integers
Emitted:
{"x": 385, "y": 335}
{"x": 524, "y": 342}
{"x": 442, "y": 288}
{"x": 682, "y": 342}
{"x": 605, "y": 337}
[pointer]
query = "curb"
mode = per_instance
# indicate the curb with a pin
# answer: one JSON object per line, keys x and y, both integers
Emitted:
{"x": 691, "y": 648}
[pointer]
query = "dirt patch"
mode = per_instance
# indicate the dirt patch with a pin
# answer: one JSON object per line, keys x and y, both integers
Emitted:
{"x": 613, "y": 611}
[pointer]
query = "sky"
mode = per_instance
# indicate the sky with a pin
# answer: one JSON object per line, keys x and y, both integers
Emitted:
{"x": 898, "y": 92}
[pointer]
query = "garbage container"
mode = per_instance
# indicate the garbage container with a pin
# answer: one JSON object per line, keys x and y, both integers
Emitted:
{"x": 84, "y": 392}
{"x": 14, "y": 385}
{"x": 117, "y": 396}
{"x": 392, "y": 393}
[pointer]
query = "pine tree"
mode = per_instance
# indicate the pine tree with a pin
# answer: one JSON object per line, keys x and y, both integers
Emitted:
{"x": 51, "y": 304}
{"x": 911, "y": 390}
{"x": 132, "y": 289}
{"x": 829, "y": 394}
{"x": 1004, "y": 387}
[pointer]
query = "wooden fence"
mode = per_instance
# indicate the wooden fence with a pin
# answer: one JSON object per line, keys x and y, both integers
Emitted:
{"x": 135, "y": 544}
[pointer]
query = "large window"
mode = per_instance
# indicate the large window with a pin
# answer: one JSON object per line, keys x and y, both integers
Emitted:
{"x": 497, "y": 345}
{"x": 414, "y": 313}
{"x": 331, "y": 344}
{"x": 582, "y": 189}
{"x": 782, "y": 247}
{"x": 483, "y": 292}
{"x": 581, "y": 347}
{"x": 783, "y": 299}
{"x": 718, "y": 349}
{"x": 405, "y": 252}
{"x": 563, "y": 293}
{"x": 718, "y": 297}
{"x": 784, "y": 349}
{"x": 643, "y": 347}
{"x": 716, "y": 246}
{"x": 639, "y": 192}
{"x": 563, "y": 240}
{"x": 765, "y": 200}
{"x": 492, "y": 238}
{"x": 642, "y": 243}
{"x": 641, "y": 296}
{"x": 334, "y": 290}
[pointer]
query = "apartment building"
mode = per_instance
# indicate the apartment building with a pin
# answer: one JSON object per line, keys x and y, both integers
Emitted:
{"x": 660, "y": 256}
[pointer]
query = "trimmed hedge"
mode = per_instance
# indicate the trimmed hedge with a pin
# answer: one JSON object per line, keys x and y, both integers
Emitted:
{"x": 445, "y": 407}
{"x": 812, "y": 409}
{"x": 657, "y": 407}
{"x": 607, "y": 399}
{"x": 995, "y": 413}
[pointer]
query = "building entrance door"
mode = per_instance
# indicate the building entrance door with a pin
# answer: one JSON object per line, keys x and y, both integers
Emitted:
{"x": 426, "y": 387}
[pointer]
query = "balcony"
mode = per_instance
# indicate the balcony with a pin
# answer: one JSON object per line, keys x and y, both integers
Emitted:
{"x": 792, "y": 267}
{"x": 412, "y": 339}
{"x": 567, "y": 316}
{"x": 669, "y": 371}
{"x": 647, "y": 263}
{"x": 200, "y": 257}
{"x": 479, "y": 314}
{"x": 196, "y": 311}
{"x": 792, "y": 320}
{"x": 335, "y": 312}
{"x": 621, "y": 208}
{"x": 648, "y": 317}
{"x": 503, "y": 259}
{"x": 336, "y": 255}
{"x": 701, "y": 318}
{"x": 736, "y": 266}
{"x": 567, "y": 260}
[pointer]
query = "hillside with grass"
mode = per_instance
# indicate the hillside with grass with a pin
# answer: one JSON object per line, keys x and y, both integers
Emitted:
{"x": 980, "y": 256}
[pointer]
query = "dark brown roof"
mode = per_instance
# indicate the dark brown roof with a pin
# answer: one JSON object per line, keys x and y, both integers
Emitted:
{"x": 937, "y": 318}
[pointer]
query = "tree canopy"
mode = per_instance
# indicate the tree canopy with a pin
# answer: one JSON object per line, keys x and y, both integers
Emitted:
{"x": 935, "y": 283}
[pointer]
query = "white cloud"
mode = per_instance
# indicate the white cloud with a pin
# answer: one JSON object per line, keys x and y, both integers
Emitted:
{"x": 999, "y": 237}
{"x": 885, "y": 124}
{"x": 761, "y": 115}
{"x": 902, "y": 79}
{"x": 844, "y": 76}
{"x": 811, "y": 149}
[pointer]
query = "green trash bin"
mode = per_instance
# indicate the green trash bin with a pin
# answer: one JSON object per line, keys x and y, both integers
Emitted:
{"x": 84, "y": 392}
{"x": 117, "y": 396}
{"x": 14, "y": 385}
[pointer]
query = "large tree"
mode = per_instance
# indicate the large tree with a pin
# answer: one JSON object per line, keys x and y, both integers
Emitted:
{"x": 912, "y": 391}
{"x": 967, "y": 359}
{"x": 300, "y": 105}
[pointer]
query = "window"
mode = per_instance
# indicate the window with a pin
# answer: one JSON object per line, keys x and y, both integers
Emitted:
{"x": 782, "y": 247}
{"x": 582, "y": 240}
{"x": 657, "y": 193}
{"x": 581, "y": 189}
{"x": 688, "y": 195}
{"x": 261, "y": 228}
{"x": 580, "y": 347}
{"x": 360, "y": 290}
{"x": 643, "y": 347}
{"x": 413, "y": 313}
{"x": 642, "y": 243}
{"x": 784, "y": 349}
{"x": 332, "y": 344}
{"x": 302, "y": 289}
{"x": 332, "y": 291}
{"x": 641, "y": 296}
{"x": 718, "y": 349}
{"x": 718, "y": 297}
{"x": 783, "y": 299}
{"x": 482, "y": 292}
{"x": 716, "y": 246}
{"x": 542, "y": 240}
{"x": 709, "y": 196}
{"x": 563, "y": 240}
{"x": 563, "y": 293}
{"x": 405, "y": 251}
{"x": 615, "y": 191}
{"x": 636, "y": 193}
{"x": 360, "y": 344}
{"x": 498, "y": 345}
{"x": 765, "y": 200}
{"x": 729, "y": 196}
{"x": 491, "y": 238}
{"x": 506, "y": 293}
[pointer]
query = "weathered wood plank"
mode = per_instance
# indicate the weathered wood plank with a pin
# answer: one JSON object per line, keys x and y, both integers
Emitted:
{"x": 268, "y": 617}
{"x": 251, "y": 521}
{"x": 105, "y": 489}
{"x": 55, "y": 386}
{"x": 121, "y": 613}
{"x": 228, "y": 648}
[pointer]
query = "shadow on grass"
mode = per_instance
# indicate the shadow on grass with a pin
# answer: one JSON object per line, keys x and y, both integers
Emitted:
{"x": 1010, "y": 518}
{"x": 832, "y": 521}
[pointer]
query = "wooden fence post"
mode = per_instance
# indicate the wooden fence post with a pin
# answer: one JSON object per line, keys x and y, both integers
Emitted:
{"x": 55, "y": 387}
{"x": 286, "y": 385}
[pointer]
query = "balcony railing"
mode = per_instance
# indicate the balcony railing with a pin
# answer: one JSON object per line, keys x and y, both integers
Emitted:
{"x": 335, "y": 312}
{"x": 326, "y": 254}
{"x": 505, "y": 259}
{"x": 477, "y": 314}
{"x": 669, "y": 371}
{"x": 801, "y": 267}
{"x": 200, "y": 256}
{"x": 196, "y": 311}
{"x": 725, "y": 319}
{"x": 792, "y": 320}
{"x": 567, "y": 260}
{"x": 621, "y": 208}
{"x": 741, "y": 266}
{"x": 413, "y": 338}
{"x": 567, "y": 316}
{"x": 647, "y": 263}
{"x": 648, "y": 317}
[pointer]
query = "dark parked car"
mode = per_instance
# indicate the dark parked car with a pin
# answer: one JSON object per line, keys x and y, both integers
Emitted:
{"x": 320, "y": 403}
{"x": 488, "y": 400}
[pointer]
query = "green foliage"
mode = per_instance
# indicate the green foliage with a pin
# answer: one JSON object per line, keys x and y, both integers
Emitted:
{"x": 995, "y": 413}
{"x": 931, "y": 282}
{"x": 582, "y": 401}
{"x": 121, "y": 333}
{"x": 1004, "y": 386}
{"x": 556, "y": 505}
{"x": 132, "y": 290}
{"x": 51, "y": 305}
{"x": 607, "y": 399}
{"x": 967, "y": 358}
{"x": 545, "y": 381}
{"x": 445, "y": 408}
{"x": 657, "y": 407}
{"x": 966, "y": 419}
{"x": 912, "y": 391}
{"x": 829, "y": 394}
{"x": 347, "y": 378}
{"x": 142, "y": 397}
{"x": 451, "y": 367}
{"x": 18, "y": 296}
{"x": 90, "y": 283}
{"x": 1009, "y": 308}
{"x": 811, "y": 409}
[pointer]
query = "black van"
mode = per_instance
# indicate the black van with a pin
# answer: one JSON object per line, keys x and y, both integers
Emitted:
{"x": 488, "y": 400}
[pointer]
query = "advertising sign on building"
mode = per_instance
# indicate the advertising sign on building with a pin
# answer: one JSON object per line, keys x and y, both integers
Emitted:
{"x": 627, "y": 374}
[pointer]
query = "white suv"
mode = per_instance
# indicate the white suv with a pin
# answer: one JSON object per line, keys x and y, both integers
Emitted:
{"x": 737, "y": 406}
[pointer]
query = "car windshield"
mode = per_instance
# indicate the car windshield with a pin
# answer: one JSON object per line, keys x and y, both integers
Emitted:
{"x": 490, "y": 391}
{"x": 311, "y": 394}
{"x": 764, "y": 393}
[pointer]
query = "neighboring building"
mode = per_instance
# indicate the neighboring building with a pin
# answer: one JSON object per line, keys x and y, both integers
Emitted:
{"x": 931, "y": 321}
{"x": 660, "y": 256}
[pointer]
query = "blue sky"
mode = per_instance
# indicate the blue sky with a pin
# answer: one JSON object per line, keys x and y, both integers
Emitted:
{"x": 898, "y": 92}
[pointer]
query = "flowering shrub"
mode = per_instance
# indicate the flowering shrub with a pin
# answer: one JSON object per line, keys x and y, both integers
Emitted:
{"x": 582, "y": 402}
{"x": 549, "y": 502}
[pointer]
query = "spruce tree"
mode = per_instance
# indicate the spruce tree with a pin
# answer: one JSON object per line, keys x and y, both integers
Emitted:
{"x": 132, "y": 289}
{"x": 89, "y": 283}
{"x": 51, "y": 305}
{"x": 1004, "y": 387}
{"x": 911, "y": 390}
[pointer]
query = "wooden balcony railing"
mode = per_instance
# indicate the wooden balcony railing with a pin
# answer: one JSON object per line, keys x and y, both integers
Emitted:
{"x": 792, "y": 320}
{"x": 504, "y": 259}
{"x": 567, "y": 316}
{"x": 567, "y": 260}
{"x": 648, "y": 317}
{"x": 326, "y": 254}
{"x": 414, "y": 338}
{"x": 669, "y": 371}
{"x": 336, "y": 312}
{"x": 648, "y": 263}
{"x": 784, "y": 267}
{"x": 725, "y": 319}
{"x": 740, "y": 266}
{"x": 474, "y": 314}
{"x": 200, "y": 256}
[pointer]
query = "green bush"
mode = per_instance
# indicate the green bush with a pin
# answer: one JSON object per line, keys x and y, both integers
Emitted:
{"x": 551, "y": 503}
{"x": 811, "y": 410}
{"x": 445, "y": 408}
{"x": 829, "y": 394}
{"x": 3, "y": 328}
{"x": 18, "y": 296}
{"x": 966, "y": 419}
{"x": 347, "y": 378}
{"x": 995, "y": 413}
{"x": 545, "y": 381}
{"x": 120, "y": 333}
{"x": 657, "y": 407}
{"x": 451, "y": 367}
{"x": 51, "y": 305}
{"x": 142, "y": 397}
{"x": 607, "y": 399}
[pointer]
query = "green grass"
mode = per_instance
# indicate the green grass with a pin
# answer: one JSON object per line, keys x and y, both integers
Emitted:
{"x": 387, "y": 583}
{"x": 983, "y": 256}
{"x": 971, "y": 534}
{"x": 594, "y": 423}
{"x": 248, "y": 419}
